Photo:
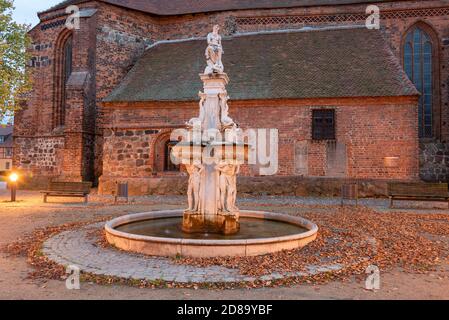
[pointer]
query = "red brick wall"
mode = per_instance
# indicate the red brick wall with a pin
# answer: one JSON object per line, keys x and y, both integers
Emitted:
{"x": 43, "y": 149}
{"x": 122, "y": 37}
{"x": 371, "y": 129}
{"x": 396, "y": 18}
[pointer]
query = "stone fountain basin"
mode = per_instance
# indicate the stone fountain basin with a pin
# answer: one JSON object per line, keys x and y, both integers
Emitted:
{"x": 207, "y": 248}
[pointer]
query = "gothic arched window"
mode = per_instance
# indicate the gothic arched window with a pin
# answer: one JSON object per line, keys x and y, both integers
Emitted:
{"x": 64, "y": 71}
{"x": 419, "y": 64}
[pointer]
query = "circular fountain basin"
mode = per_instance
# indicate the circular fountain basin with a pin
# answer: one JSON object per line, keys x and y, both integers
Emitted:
{"x": 159, "y": 234}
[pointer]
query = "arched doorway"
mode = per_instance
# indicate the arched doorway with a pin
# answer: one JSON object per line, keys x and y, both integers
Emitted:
{"x": 162, "y": 160}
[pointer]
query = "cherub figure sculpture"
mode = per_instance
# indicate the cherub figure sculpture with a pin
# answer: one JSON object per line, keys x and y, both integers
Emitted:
{"x": 214, "y": 52}
{"x": 226, "y": 121}
{"x": 198, "y": 121}
{"x": 227, "y": 186}
{"x": 195, "y": 172}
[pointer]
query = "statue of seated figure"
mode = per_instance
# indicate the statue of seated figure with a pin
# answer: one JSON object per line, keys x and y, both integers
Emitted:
{"x": 214, "y": 52}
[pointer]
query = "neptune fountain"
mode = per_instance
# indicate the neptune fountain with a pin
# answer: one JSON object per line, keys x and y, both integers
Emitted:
{"x": 212, "y": 150}
{"x": 214, "y": 165}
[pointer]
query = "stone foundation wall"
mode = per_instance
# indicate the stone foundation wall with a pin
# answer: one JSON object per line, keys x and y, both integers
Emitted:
{"x": 176, "y": 185}
{"x": 255, "y": 186}
{"x": 127, "y": 153}
{"x": 309, "y": 186}
{"x": 39, "y": 160}
{"x": 42, "y": 154}
{"x": 434, "y": 161}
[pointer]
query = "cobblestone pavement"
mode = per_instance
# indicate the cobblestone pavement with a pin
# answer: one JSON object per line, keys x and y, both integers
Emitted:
{"x": 380, "y": 204}
{"x": 30, "y": 213}
{"x": 34, "y": 200}
{"x": 79, "y": 248}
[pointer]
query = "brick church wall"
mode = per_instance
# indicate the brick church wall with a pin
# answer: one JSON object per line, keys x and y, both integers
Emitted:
{"x": 370, "y": 130}
{"x": 37, "y": 149}
{"x": 71, "y": 155}
{"x": 396, "y": 19}
{"x": 114, "y": 38}
{"x": 122, "y": 37}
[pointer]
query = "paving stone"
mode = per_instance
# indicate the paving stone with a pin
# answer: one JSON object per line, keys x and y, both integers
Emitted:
{"x": 77, "y": 248}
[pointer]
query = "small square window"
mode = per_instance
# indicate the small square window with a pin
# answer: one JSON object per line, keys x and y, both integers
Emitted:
{"x": 323, "y": 124}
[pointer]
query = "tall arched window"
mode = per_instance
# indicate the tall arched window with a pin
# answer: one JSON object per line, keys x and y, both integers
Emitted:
{"x": 419, "y": 64}
{"x": 63, "y": 72}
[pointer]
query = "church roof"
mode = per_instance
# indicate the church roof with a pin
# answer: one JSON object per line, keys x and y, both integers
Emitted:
{"x": 349, "y": 62}
{"x": 180, "y": 7}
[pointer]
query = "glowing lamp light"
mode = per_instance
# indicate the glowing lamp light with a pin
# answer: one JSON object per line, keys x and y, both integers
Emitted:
{"x": 14, "y": 177}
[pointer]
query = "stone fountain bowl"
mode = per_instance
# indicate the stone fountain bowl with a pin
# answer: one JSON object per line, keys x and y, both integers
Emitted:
{"x": 119, "y": 233}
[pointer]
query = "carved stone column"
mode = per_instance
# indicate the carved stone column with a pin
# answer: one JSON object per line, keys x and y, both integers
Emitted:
{"x": 209, "y": 218}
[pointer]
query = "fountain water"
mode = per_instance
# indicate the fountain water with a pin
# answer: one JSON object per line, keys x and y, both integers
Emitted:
{"x": 212, "y": 153}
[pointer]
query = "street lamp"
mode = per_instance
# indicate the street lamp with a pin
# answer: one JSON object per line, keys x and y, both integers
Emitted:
{"x": 13, "y": 184}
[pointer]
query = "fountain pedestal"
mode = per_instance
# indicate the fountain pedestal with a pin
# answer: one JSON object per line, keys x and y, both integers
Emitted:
{"x": 194, "y": 222}
{"x": 213, "y": 173}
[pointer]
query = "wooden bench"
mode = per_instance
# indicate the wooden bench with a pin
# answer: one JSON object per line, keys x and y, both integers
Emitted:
{"x": 418, "y": 192}
{"x": 68, "y": 189}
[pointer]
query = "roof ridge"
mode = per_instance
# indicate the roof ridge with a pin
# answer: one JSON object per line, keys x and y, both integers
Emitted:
{"x": 262, "y": 32}
{"x": 183, "y": 7}
{"x": 61, "y": 5}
